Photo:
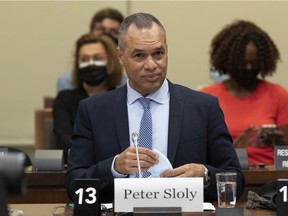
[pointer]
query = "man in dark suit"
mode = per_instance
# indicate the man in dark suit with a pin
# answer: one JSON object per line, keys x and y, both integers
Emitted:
{"x": 188, "y": 126}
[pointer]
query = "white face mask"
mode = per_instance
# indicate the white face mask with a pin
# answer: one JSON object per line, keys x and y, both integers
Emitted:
{"x": 93, "y": 62}
{"x": 215, "y": 76}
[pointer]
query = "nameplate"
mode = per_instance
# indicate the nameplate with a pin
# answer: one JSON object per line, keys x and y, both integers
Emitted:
{"x": 282, "y": 197}
{"x": 186, "y": 193}
{"x": 86, "y": 197}
{"x": 281, "y": 157}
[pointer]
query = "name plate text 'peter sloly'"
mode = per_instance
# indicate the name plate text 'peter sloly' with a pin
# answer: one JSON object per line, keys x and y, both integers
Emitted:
{"x": 186, "y": 193}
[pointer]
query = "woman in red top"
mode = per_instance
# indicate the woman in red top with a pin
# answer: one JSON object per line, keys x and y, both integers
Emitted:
{"x": 247, "y": 54}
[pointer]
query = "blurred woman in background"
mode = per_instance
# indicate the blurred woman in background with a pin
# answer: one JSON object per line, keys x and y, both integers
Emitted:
{"x": 247, "y": 54}
{"x": 96, "y": 70}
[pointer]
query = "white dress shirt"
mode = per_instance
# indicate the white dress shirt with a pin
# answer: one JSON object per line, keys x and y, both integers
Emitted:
{"x": 159, "y": 107}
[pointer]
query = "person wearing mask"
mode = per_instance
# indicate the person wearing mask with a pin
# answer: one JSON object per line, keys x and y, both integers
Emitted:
{"x": 96, "y": 70}
{"x": 185, "y": 125}
{"x": 215, "y": 76}
{"x": 248, "y": 55}
{"x": 106, "y": 21}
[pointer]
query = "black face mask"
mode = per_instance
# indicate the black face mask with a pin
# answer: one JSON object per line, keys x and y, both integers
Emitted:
{"x": 247, "y": 78}
{"x": 93, "y": 74}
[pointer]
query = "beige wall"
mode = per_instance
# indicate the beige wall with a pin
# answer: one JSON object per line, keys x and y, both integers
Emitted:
{"x": 37, "y": 38}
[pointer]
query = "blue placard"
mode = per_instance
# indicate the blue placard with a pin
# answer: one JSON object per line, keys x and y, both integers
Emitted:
{"x": 86, "y": 197}
{"x": 282, "y": 197}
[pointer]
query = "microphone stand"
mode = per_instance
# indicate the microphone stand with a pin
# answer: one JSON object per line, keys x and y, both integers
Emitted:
{"x": 135, "y": 142}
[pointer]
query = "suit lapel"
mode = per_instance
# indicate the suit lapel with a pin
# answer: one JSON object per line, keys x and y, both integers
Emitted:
{"x": 175, "y": 120}
{"x": 121, "y": 118}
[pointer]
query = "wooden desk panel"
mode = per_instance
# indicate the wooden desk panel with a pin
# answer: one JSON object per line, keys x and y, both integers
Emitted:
{"x": 260, "y": 176}
{"x": 48, "y": 187}
{"x": 43, "y": 187}
{"x": 257, "y": 177}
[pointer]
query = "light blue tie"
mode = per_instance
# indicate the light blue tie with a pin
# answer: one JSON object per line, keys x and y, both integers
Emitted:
{"x": 145, "y": 131}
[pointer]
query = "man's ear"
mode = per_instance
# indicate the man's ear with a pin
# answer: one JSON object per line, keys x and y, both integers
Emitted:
{"x": 120, "y": 56}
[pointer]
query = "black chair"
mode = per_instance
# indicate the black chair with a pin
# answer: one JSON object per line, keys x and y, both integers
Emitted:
{"x": 15, "y": 150}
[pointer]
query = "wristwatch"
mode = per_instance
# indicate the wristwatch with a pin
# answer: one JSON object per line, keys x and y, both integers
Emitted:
{"x": 206, "y": 175}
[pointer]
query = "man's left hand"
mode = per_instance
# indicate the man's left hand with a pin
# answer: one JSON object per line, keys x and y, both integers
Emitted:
{"x": 187, "y": 170}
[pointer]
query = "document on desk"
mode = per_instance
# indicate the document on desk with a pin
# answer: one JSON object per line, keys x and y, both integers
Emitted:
{"x": 108, "y": 205}
{"x": 15, "y": 212}
{"x": 208, "y": 206}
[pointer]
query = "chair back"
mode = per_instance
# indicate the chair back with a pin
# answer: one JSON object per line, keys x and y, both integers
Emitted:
{"x": 243, "y": 158}
{"x": 44, "y": 136}
{"x": 48, "y": 101}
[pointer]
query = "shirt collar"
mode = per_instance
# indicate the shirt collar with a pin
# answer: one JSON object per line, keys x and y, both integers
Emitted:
{"x": 159, "y": 96}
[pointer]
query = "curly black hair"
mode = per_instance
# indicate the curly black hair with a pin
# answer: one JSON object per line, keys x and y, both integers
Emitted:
{"x": 228, "y": 48}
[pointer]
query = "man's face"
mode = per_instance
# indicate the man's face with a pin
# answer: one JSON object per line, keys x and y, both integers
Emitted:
{"x": 144, "y": 56}
{"x": 108, "y": 26}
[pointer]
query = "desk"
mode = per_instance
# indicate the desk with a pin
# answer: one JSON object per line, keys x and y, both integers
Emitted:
{"x": 45, "y": 209}
{"x": 257, "y": 177}
{"x": 43, "y": 187}
{"x": 48, "y": 187}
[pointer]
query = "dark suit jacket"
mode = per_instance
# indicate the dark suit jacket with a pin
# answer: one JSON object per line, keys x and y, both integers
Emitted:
{"x": 64, "y": 114}
{"x": 197, "y": 134}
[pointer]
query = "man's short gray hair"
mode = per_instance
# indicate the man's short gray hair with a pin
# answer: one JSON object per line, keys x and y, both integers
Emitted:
{"x": 141, "y": 21}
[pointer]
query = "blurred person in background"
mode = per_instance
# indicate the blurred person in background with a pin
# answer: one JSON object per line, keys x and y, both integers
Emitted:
{"x": 96, "y": 70}
{"x": 248, "y": 55}
{"x": 215, "y": 76}
{"x": 106, "y": 21}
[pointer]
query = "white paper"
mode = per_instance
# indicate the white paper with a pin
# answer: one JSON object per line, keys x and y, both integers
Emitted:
{"x": 162, "y": 165}
{"x": 208, "y": 206}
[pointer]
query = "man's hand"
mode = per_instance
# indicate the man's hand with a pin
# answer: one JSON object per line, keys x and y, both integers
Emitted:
{"x": 126, "y": 162}
{"x": 187, "y": 170}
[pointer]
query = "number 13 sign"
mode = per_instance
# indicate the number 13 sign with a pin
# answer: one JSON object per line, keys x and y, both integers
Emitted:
{"x": 86, "y": 197}
{"x": 282, "y": 197}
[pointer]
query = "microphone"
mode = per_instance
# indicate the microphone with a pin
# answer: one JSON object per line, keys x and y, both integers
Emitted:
{"x": 135, "y": 142}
